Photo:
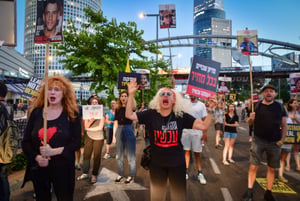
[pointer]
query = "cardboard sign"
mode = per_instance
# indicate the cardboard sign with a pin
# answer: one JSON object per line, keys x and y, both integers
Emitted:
{"x": 203, "y": 77}
{"x": 32, "y": 88}
{"x": 92, "y": 111}
{"x": 278, "y": 186}
{"x": 293, "y": 134}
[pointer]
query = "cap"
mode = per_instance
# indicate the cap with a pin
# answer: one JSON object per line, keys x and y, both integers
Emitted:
{"x": 268, "y": 86}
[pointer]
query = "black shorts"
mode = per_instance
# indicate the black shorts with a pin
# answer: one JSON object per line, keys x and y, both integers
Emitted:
{"x": 219, "y": 127}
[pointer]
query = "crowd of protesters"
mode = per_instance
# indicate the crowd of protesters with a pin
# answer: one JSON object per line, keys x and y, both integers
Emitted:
{"x": 166, "y": 116}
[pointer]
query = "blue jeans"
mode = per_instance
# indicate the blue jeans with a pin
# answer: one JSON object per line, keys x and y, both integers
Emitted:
{"x": 4, "y": 185}
{"x": 126, "y": 141}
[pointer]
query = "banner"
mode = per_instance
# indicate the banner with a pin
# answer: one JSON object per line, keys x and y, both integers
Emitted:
{"x": 167, "y": 16}
{"x": 32, "y": 88}
{"x": 293, "y": 134}
{"x": 92, "y": 112}
{"x": 49, "y": 21}
{"x": 247, "y": 42}
{"x": 203, "y": 77}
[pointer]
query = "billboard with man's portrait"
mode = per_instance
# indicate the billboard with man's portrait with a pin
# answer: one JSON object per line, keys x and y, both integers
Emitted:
{"x": 167, "y": 16}
{"x": 49, "y": 21}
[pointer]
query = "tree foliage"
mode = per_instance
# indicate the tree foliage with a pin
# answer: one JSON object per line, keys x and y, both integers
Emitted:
{"x": 101, "y": 49}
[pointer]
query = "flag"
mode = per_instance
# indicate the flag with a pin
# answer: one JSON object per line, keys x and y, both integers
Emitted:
{"x": 127, "y": 70}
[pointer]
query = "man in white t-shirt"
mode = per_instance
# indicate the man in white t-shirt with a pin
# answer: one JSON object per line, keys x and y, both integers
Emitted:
{"x": 193, "y": 140}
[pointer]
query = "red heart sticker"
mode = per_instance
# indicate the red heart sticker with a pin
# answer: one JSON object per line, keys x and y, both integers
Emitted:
{"x": 50, "y": 132}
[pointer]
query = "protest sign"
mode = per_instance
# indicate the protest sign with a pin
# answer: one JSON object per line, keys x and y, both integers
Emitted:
{"x": 32, "y": 88}
{"x": 92, "y": 111}
{"x": 293, "y": 134}
{"x": 125, "y": 78}
{"x": 203, "y": 77}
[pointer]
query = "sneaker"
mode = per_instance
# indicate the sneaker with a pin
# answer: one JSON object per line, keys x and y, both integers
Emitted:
{"x": 186, "y": 176}
{"x": 119, "y": 178}
{"x": 106, "y": 156}
{"x": 268, "y": 196}
{"x": 82, "y": 177}
{"x": 129, "y": 180}
{"x": 281, "y": 178}
{"x": 248, "y": 196}
{"x": 201, "y": 178}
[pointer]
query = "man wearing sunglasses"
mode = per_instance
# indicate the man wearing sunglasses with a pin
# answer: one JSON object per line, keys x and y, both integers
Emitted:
{"x": 165, "y": 120}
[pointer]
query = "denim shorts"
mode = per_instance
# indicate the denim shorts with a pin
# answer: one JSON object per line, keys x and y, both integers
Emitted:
{"x": 271, "y": 149}
{"x": 230, "y": 135}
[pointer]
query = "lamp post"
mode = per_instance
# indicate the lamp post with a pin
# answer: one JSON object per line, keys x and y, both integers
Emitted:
{"x": 142, "y": 15}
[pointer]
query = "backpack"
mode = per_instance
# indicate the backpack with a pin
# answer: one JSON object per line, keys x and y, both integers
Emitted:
{"x": 8, "y": 138}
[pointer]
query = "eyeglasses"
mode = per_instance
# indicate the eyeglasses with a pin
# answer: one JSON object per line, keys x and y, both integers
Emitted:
{"x": 162, "y": 94}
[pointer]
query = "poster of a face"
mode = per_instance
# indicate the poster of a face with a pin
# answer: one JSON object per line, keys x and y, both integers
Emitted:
{"x": 247, "y": 42}
{"x": 167, "y": 16}
{"x": 144, "y": 81}
{"x": 49, "y": 21}
{"x": 224, "y": 85}
{"x": 295, "y": 83}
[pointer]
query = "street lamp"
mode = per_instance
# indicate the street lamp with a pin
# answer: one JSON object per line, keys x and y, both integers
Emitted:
{"x": 143, "y": 15}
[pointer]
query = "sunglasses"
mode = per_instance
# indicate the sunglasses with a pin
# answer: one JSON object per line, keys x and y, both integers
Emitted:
{"x": 168, "y": 16}
{"x": 162, "y": 94}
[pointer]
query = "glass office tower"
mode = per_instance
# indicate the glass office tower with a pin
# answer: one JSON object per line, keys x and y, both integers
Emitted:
{"x": 209, "y": 19}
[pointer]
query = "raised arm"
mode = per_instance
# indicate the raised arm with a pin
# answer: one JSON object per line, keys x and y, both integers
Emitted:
{"x": 129, "y": 114}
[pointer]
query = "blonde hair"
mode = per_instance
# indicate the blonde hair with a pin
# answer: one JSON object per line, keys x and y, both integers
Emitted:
{"x": 180, "y": 106}
{"x": 68, "y": 100}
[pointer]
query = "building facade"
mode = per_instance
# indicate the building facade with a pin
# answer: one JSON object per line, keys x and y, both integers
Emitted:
{"x": 73, "y": 9}
{"x": 209, "y": 19}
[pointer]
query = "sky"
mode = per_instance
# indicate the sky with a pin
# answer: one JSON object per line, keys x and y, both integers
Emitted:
{"x": 273, "y": 19}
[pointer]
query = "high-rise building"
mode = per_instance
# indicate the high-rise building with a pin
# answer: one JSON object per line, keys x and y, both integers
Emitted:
{"x": 209, "y": 19}
{"x": 73, "y": 9}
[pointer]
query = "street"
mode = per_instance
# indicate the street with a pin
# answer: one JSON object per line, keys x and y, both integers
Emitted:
{"x": 223, "y": 182}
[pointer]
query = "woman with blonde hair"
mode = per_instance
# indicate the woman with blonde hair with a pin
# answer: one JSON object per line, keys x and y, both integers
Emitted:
{"x": 165, "y": 119}
{"x": 53, "y": 164}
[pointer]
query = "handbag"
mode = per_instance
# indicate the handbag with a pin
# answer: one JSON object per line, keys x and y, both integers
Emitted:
{"x": 146, "y": 158}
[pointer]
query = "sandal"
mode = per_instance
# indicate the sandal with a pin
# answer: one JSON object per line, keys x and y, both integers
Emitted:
{"x": 119, "y": 178}
{"x": 225, "y": 163}
{"x": 281, "y": 178}
{"x": 231, "y": 161}
{"x": 82, "y": 177}
{"x": 93, "y": 179}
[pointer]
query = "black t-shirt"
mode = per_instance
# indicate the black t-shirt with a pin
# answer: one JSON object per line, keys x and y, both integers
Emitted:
{"x": 267, "y": 121}
{"x": 61, "y": 132}
{"x": 230, "y": 120}
{"x": 165, "y": 136}
{"x": 120, "y": 116}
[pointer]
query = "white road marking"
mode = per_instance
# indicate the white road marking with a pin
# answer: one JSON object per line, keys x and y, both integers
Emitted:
{"x": 214, "y": 166}
{"x": 242, "y": 128}
{"x": 226, "y": 194}
{"x": 106, "y": 184}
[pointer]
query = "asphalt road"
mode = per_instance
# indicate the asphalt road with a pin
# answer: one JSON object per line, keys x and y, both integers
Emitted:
{"x": 223, "y": 182}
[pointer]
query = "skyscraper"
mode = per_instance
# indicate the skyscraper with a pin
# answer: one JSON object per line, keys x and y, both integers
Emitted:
{"x": 73, "y": 9}
{"x": 209, "y": 19}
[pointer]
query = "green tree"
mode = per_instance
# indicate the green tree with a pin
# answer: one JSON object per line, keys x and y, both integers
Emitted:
{"x": 102, "y": 48}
